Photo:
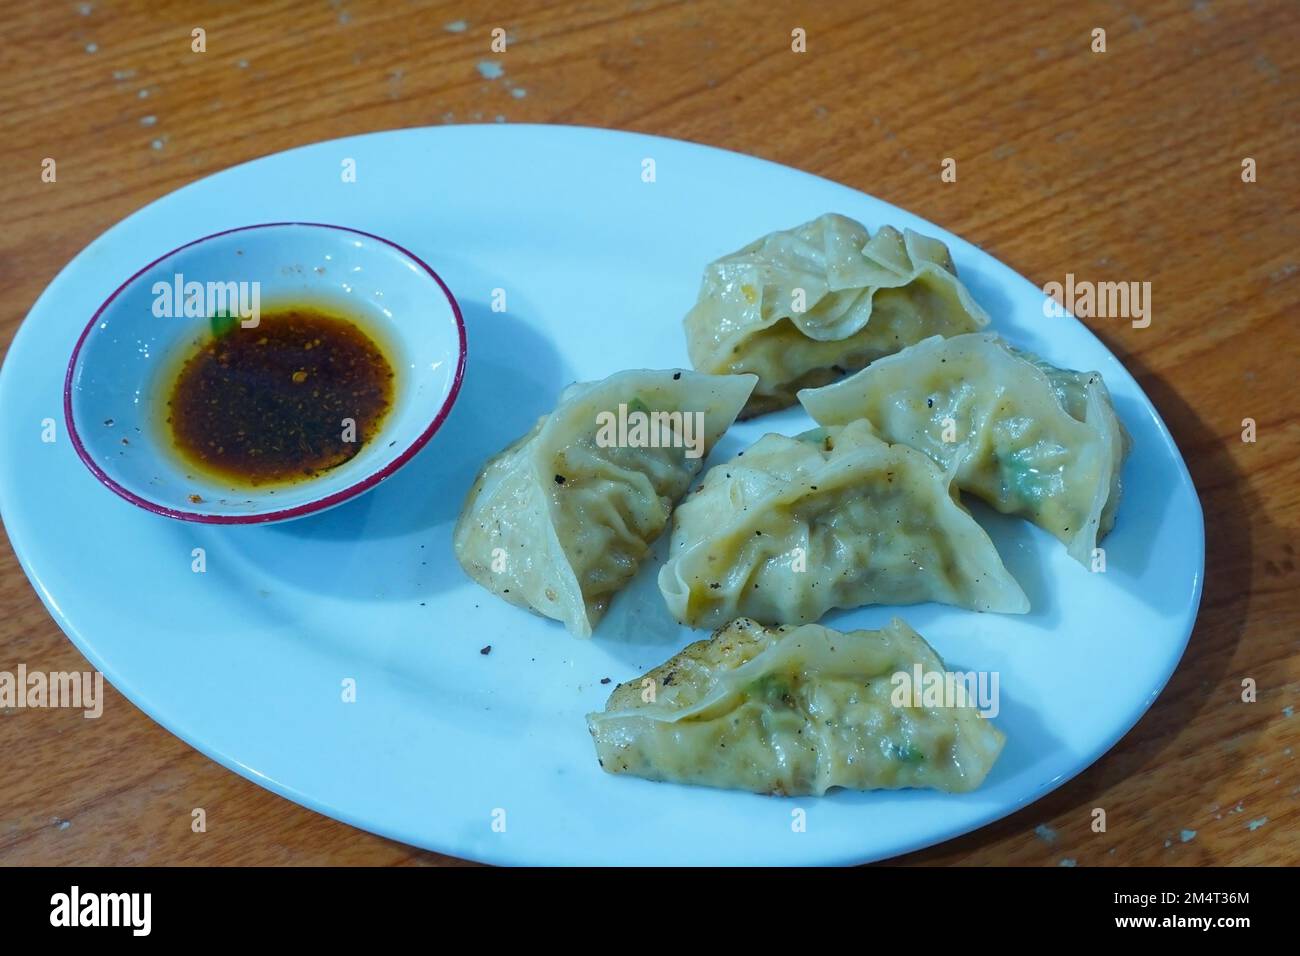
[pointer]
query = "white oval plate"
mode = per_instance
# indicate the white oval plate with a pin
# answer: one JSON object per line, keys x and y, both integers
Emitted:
{"x": 596, "y": 267}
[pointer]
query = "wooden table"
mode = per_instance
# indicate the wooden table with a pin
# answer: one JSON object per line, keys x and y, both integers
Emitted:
{"x": 1123, "y": 165}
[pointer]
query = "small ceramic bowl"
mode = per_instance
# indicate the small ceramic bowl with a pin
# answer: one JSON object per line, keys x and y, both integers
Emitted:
{"x": 116, "y": 390}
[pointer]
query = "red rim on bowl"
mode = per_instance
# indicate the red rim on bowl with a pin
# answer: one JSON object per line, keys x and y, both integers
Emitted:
{"x": 298, "y": 510}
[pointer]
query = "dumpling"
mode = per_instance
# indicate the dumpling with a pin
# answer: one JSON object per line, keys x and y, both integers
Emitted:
{"x": 794, "y": 711}
{"x": 1030, "y": 439}
{"x": 794, "y": 527}
{"x": 800, "y": 308}
{"x": 560, "y": 520}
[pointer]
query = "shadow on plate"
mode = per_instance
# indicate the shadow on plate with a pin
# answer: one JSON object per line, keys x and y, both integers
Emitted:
{"x": 989, "y": 291}
{"x": 1025, "y": 551}
{"x": 638, "y": 626}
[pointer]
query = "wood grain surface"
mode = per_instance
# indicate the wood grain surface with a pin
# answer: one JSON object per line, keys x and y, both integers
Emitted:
{"x": 1123, "y": 165}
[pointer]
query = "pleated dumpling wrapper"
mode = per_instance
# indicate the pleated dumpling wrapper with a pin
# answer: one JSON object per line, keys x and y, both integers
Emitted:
{"x": 801, "y": 307}
{"x": 794, "y": 527}
{"x": 795, "y": 711}
{"x": 1030, "y": 439}
{"x": 560, "y": 520}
